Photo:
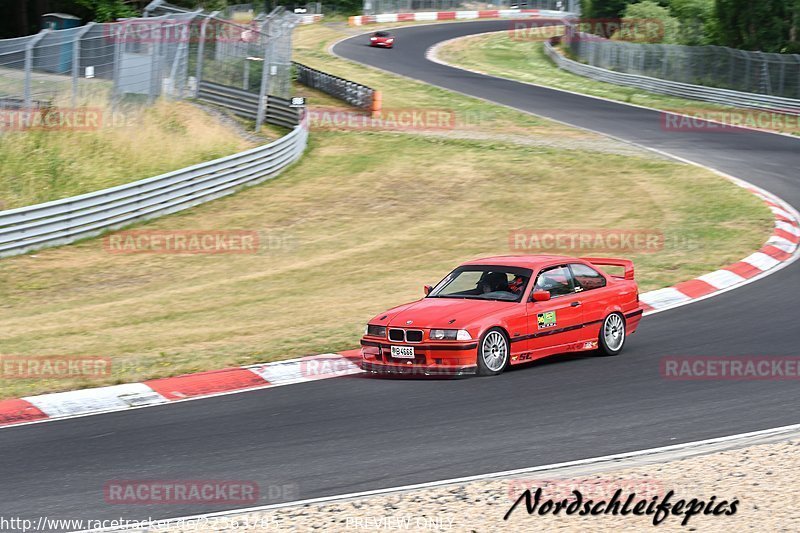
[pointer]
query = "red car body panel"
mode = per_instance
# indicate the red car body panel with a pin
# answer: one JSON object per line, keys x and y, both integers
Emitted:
{"x": 578, "y": 319}
{"x": 381, "y": 41}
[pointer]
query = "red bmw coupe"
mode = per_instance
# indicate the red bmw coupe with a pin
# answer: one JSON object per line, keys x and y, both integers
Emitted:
{"x": 499, "y": 311}
{"x": 382, "y": 39}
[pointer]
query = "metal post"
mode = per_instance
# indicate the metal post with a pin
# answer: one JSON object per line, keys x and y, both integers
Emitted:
{"x": 201, "y": 50}
{"x": 155, "y": 70}
{"x": 266, "y": 29}
{"x": 29, "y": 46}
{"x": 115, "y": 88}
{"x": 76, "y": 61}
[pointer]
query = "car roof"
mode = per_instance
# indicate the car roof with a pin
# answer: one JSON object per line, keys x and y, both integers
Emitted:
{"x": 524, "y": 261}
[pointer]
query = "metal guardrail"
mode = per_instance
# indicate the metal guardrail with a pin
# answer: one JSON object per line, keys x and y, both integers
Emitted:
{"x": 349, "y": 91}
{"x": 245, "y": 104}
{"x": 726, "y": 97}
{"x": 64, "y": 221}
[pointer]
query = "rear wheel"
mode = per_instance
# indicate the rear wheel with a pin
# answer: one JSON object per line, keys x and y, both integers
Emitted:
{"x": 612, "y": 335}
{"x": 493, "y": 353}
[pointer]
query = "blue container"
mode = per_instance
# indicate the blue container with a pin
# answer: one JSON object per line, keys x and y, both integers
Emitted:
{"x": 62, "y": 61}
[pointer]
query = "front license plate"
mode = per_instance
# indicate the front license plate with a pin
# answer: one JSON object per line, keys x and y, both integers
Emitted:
{"x": 403, "y": 352}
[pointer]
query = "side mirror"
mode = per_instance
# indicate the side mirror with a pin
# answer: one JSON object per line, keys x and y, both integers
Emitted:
{"x": 541, "y": 296}
{"x": 428, "y": 289}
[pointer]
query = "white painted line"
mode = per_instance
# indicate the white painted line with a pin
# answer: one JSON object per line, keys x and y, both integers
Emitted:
{"x": 674, "y": 452}
{"x": 77, "y": 402}
{"x": 426, "y": 16}
{"x": 307, "y": 369}
{"x": 780, "y": 212}
{"x": 761, "y": 261}
{"x": 785, "y": 245}
{"x": 721, "y": 279}
{"x": 787, "y": 227}
{"x": 663, "y": 297}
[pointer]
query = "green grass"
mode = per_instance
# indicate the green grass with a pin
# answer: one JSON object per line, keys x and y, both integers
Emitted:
{"x": 498, "y": 54}
{"x": 40, "y": 165}
{"x": 358, "y": 225}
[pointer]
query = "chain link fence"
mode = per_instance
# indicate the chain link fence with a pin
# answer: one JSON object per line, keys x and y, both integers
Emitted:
{"x": 711, "y": 66}
{"x": 164, "y": 54}
{"x": 377, "y": 7}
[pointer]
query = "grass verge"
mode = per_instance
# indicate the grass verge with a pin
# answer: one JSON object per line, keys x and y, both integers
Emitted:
{"x": 44, "y": 165}
{"x": 358, "y": 225}
{"x": 498, "y": 54}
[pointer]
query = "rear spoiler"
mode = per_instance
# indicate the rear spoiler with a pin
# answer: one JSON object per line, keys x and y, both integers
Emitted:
{"x": 627, "y": 264}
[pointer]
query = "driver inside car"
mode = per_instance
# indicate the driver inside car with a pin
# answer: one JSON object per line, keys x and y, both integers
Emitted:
{"x": 493, "y": 282}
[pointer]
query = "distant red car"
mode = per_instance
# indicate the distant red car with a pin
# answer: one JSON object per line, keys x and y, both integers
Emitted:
{"x": 499, "y": 311}
{"x": 382, "y": 39}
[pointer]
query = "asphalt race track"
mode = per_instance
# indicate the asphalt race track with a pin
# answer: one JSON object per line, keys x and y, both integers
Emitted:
{"x": 358, "y": 433}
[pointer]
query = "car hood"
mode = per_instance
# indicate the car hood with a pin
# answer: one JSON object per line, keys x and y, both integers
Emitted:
{"x": 451, "y": 313}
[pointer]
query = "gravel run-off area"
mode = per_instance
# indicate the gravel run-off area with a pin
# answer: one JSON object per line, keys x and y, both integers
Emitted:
{"x": 762, "y": 479}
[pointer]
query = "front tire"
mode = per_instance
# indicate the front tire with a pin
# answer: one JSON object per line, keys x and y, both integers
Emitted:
{"x": 612, "y": 335}
{"x": 493, "y": 352}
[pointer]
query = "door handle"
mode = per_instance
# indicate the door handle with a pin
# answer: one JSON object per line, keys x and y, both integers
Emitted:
{"x": 574, "y": 304}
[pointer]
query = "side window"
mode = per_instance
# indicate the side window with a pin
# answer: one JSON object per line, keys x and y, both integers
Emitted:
{"x": 557, "y": 281}
{"x": 587, "y": 278}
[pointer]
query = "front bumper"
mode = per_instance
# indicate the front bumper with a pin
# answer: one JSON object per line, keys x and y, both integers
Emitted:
{"x": 417, "y": 370}
{"x": 430, "y": 359}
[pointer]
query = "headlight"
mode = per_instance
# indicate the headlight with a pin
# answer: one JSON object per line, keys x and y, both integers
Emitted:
{"x": 375, "y": 331}
{"x": 450, "y": 335}
{"x": 373, "y": 38}
{"x": 389, "y": 40}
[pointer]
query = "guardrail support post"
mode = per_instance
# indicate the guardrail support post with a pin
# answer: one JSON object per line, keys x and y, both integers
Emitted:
{"x": 29, "y": 46}
{"x": 201, "y": 48}
{"x": 265, "y": 72}
{"x": 377, "y": 103}
{"x": 76, "y": 61}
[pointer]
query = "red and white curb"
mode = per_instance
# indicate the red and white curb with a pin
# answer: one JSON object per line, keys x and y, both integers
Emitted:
{"x": 780, "y": 249}
{"x": 429, "y": 16}
{"x": 85, "y": 402}
{"x": 310, "y": 19}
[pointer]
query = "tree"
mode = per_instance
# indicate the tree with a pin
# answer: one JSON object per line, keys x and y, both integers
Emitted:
{"x": 604, "y": 9}
{"x": 107, "y": 10}
{"x": 643, "y": 17}
{"x": 697, "y": 20}
{"x": 755, "y": 25}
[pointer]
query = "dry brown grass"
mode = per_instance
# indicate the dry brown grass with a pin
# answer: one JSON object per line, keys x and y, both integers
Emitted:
{"x": 40, "y": 166}
{"x": 360, "y": 224}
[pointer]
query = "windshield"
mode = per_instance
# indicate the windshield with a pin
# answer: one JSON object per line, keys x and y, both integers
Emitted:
{"x": 484, "y": 282}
